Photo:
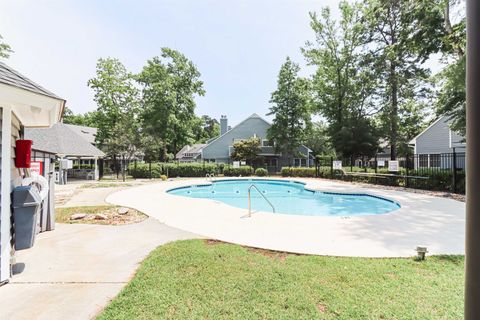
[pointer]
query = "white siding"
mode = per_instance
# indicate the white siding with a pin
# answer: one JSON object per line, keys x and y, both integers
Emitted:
{"x": 15, "y": 175}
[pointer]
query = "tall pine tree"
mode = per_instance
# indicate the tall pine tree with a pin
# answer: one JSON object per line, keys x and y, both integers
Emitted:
{"x": 290, "y": 108}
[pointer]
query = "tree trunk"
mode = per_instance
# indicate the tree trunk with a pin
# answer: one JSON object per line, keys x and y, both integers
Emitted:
{"x": 393, "y": 111}
{"x": 123, "y": 168}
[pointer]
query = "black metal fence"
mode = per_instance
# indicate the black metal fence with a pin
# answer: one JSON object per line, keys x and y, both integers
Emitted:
{"x": 437, "y": 172}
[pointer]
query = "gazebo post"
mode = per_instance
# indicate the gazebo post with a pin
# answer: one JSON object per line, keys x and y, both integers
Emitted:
{"x": 96, "y": 175}
{"x": 472, "y": 245}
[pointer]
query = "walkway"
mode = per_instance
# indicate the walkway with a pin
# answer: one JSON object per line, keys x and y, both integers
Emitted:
{"x": 435, "y": 222}
{"x": 74, "y": 271}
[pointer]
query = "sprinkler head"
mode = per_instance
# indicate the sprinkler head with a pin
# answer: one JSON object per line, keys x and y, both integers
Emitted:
{"x": 421, "y": 252}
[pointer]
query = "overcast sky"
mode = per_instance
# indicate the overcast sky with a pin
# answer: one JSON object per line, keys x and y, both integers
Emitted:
{"x": 238, "y": 46}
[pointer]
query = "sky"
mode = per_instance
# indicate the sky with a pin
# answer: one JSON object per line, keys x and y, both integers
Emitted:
{"x": 238, "y": 46}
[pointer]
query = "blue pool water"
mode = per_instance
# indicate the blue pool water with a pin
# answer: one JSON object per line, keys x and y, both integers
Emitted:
{"x": 288, "y": 197}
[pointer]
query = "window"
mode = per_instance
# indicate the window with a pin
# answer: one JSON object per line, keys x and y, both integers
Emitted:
{"x": 435, "y": 160}
{"x": 303, "y": 162}
{"x": 296, "y": 162}
{"x": 271, "y": 162}
{"x": 267, "y": 143}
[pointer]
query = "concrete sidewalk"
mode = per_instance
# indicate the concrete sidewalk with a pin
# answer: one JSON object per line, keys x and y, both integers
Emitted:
{"x": 73, "y": 272}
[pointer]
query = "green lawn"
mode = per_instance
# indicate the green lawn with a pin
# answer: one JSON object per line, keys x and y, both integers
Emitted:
{"x": 198, "y": 279}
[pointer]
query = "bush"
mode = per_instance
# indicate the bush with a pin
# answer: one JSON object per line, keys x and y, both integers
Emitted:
{"x": 172, "y": 170}
{"x": 163, "y": 177}
{"x": 243, "y": 171}
{"x": 261, "y": 172}
{"x": 298, "y": 172}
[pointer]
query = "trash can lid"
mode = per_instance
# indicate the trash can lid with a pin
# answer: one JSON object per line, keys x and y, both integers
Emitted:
{"x": 25, "y": 196}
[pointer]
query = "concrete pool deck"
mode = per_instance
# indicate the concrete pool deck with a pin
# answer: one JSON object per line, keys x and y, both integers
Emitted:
{"x": 435, "y": 222}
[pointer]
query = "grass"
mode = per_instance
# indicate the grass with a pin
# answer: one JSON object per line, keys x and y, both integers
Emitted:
{"x": 197, "y": 279}
{"x": 62, "y": 215}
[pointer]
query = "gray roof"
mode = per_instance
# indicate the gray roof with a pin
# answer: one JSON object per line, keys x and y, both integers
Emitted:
{"x": 13, "y": 78}
{"x": 88, "y": 133}
{"x": 62, "y": 140}
{"x": 193, "y": 149}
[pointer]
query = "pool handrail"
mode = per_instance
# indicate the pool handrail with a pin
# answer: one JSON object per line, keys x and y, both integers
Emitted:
{"x": 250, "y": 199}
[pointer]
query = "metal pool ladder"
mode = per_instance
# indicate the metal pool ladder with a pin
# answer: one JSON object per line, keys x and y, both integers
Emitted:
{"x": 250, "y": 199}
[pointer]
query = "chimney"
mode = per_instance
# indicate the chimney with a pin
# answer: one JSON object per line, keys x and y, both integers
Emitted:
{"x": 223, "y": 124}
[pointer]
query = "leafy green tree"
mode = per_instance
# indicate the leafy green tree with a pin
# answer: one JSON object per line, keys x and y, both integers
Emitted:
{"x": 170, "y": 83}
{"x": 116, "y": 97}
{"x": 413, "y": 120}
{"x": 452, "y": 95}
{"x": 343, "y": 83}
{"x": 291, "y": 110}
{"x": 451, "y": 80}
{"x": 357, "y": 137}
{"x": 118, "y": 113}
{"x": 86, "y": 119}
{"x": 318, "y": 140}
{"x": 205, "y": 128}
{"x": 246, "y": 150}
{"x": 397, "y": 56}
{"x": 5, "y": 49}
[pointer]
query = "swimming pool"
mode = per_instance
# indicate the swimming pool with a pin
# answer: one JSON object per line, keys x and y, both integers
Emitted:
{"x": 288, "y": 197}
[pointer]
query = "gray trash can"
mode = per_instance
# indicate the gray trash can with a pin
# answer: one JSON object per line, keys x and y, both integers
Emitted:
{"x": 26, "y": 204}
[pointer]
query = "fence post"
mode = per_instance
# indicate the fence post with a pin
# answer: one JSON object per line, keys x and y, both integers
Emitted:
{"x": 351, "y": 163}
{"x": 150, "y": 169}
{"x": 331, "y": 167}
{"x": 407, "y": 182}
{"x": 454, "y": 167}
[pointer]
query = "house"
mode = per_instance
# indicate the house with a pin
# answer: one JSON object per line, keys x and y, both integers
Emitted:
{"x": 72, "y": 143}
{"x": 220, "y": 149}
{"x": 434, "y": 146}
{"x": 191, "y": 153}
{"x": 23, "y": 104}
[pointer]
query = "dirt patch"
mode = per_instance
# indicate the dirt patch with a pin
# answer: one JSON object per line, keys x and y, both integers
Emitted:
{"x": 212, "y": 242}
{"x": 105, "y": 215}
{"x": 276, "y": 255}
{"x": 321, "y": 308}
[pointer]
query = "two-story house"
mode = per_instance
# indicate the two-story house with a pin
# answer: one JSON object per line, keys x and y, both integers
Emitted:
{"x": 219, "y": 150}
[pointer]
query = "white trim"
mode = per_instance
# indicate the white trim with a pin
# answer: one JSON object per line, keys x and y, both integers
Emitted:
{"x": 5, "y": 213}
{"x": 32, "y": 109}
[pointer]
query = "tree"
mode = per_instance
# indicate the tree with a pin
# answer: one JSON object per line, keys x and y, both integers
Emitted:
{"x": 170, "y": 83}
{"x": 85, "y": 119}
{"x": 343, "y": 83}
{"x": 397, "y": 56}
{"x": 5, "y": 49}
{"x": 413, "y": 120}
{"x": 318, "y": 140}
{"x": 357, "y": 137}
{"x": 291, "y": 110}
{"x": 118, "y": 114}
{"x": 451, "y": 80}
{"x": 205, "y": 128}
{"x": 246, "y": 150}
{"x": 452, "y": 95}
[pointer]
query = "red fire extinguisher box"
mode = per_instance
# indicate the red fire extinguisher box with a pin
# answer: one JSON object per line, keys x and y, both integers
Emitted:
{"x": 23, "y": 153}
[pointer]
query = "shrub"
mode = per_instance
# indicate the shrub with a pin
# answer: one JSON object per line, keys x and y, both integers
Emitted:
{"x": 163, "y": 177}
{"x": 298, "y": 172}
{"x": 261, "y": 172}
{"x": 243, "y": 171}
{"x": 172, "y": 170}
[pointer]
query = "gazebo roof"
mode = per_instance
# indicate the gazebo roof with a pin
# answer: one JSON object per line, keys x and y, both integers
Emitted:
{"x": 63, "y": 141}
